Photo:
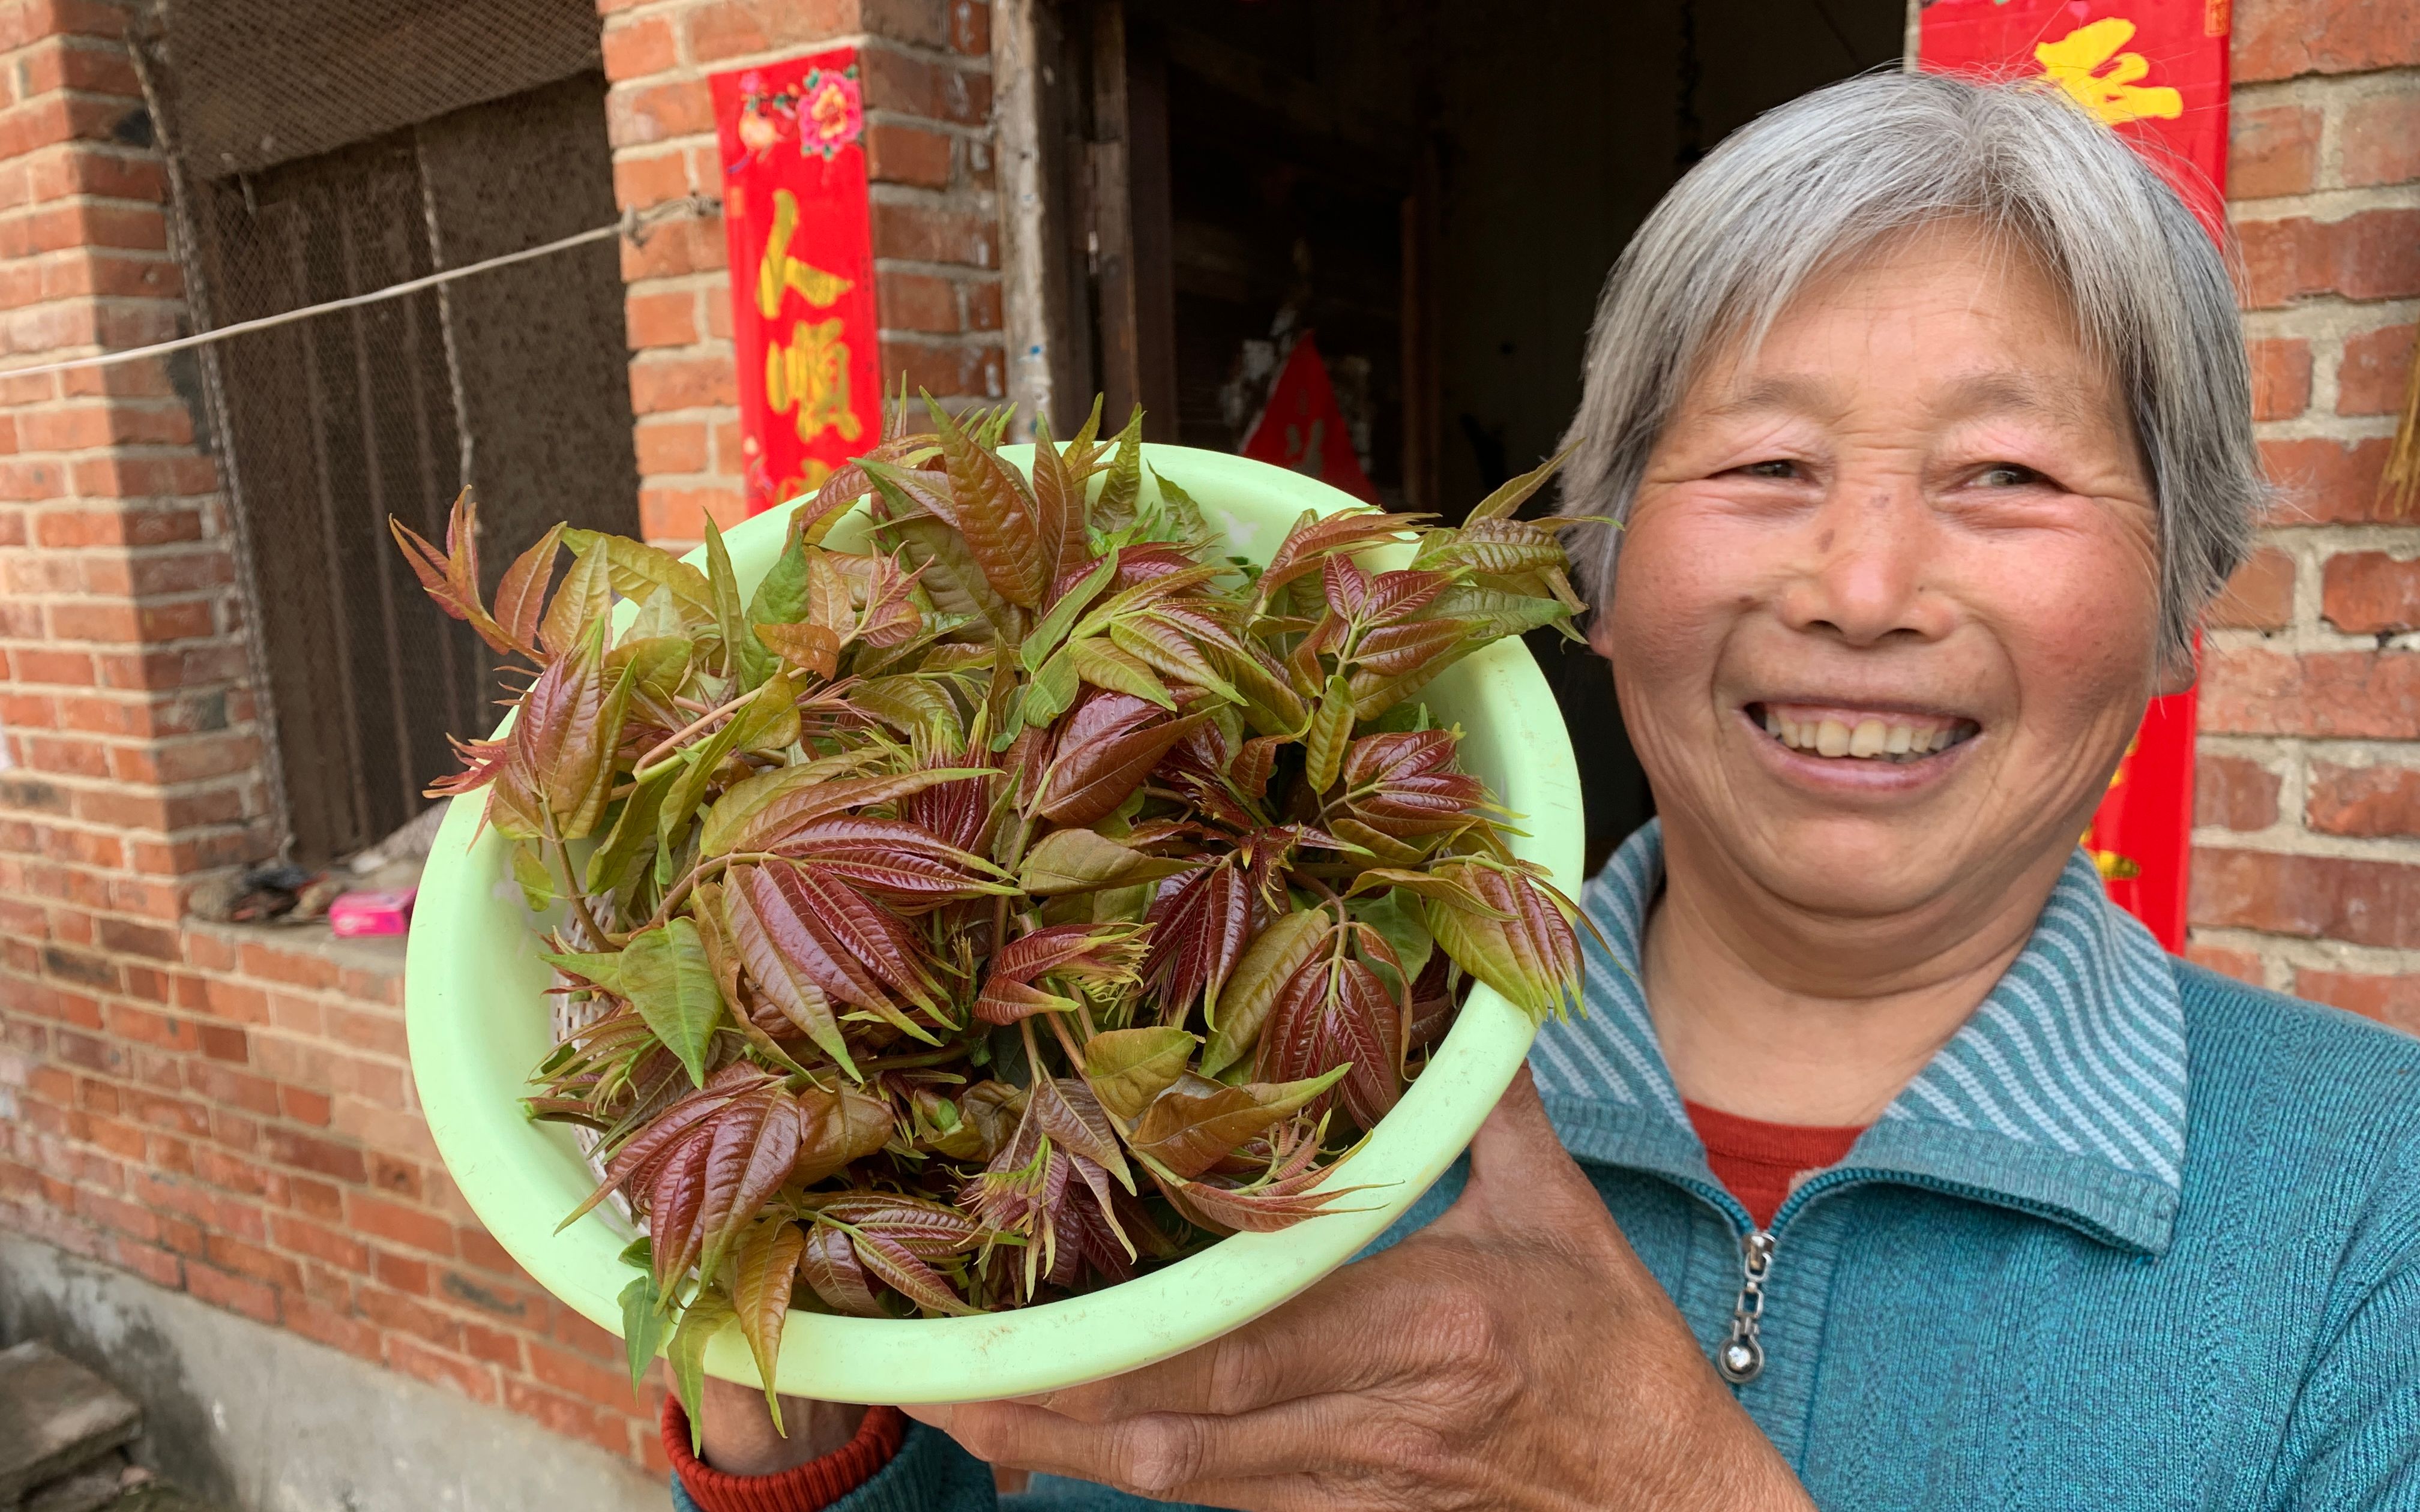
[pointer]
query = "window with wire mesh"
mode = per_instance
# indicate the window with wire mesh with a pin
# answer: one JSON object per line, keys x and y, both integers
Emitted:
{"x": 334, "y": 148}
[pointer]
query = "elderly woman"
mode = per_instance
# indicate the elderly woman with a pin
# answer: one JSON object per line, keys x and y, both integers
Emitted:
{"x": 1891, "y": 1166}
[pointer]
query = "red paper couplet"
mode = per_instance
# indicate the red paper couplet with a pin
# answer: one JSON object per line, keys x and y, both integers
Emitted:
{"x": 1302, "y": 427}
{"x": 795, "y": 214}
{"x": 2157, "y": 71}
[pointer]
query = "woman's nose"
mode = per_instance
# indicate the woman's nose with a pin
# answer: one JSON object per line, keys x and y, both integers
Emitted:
{"x": 1862, "y": 565}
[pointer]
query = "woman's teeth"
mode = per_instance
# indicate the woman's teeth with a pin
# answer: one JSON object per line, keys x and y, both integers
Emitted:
{"x": 1868, "y": 739}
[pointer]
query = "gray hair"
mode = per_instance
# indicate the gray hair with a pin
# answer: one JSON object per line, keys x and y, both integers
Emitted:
{"x": 1830, "y": 174}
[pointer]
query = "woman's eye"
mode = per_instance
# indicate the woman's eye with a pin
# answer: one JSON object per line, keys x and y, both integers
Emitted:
{"x": 1775, "y": 468}
{"x": 2006, "y": 475}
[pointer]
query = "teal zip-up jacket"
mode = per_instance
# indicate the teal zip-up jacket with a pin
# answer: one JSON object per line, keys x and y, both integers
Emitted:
{"x": 2139, "y": 1237}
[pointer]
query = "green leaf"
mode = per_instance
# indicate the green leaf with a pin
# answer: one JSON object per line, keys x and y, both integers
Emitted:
{"x": 585, "y": 595}
{"x": 631, "y": 831}
{"x": 1128, "y": 1068}
{"x": 781, "y": 595}
{"x": 665, "y": 976}
{"x": 1178, "y": 511}
{"x": 771, "y": 721}
{"x": 1398, "y": 918}
{"x": 1331, "y": 727}
{"x": 530, "y": 872}
{"x": 762, "y": 1269}
{"x": 1268, "y": 963}
{"x": 639, "y": 568}
{"x": 1114, "y": 510}
{"x": 1080, "y": 860}
{"x": 1045, "y": 637}
{"x": 1513, "y": 495}
{"x": 1197, "y": 1122}
{"x": 1052, "y": 692}
{"x": 1104, "y": 665}
{"x": 725, "y": 587}
{"x": 642, "y": 1325}
{"x": 688, "y": 790}
{"x": 707, "y": 1317}
{"x": 603, "y": 967}
{"x": 659, "y": 664}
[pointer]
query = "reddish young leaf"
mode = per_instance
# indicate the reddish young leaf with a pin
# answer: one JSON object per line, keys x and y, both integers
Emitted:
{"x": 762, "y": 1269}
{"x": 838, "y": 1128}
{"x": 784, "y": 956}
{"x": 751, "y": 1145}
{"x": 1532, "y": 956}
{"x": 520, "y": 596}
{"x": 897, "y": 1265}
{"x": 1196, "y": 1123}
{"x": 1109, "y": 746}
{"x": 1315, "y": 538}
{"x": 1335, "y": 1013}
{"x": 1404, "y": 783}
{"x": 1198, "y": 924}
{"x": 828, "y": 1262}
{"x": 990, "y": 508}
{"x": 929, "y": 1230}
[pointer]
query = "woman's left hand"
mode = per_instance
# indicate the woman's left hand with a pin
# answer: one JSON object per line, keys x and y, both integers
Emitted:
{"x": 1514, "y": 1354}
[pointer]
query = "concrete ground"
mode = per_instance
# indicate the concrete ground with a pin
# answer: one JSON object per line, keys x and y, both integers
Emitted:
{"x": 255, "y": 1419}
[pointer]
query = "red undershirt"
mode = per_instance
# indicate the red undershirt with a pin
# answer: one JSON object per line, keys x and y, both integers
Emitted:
{"x": 1757, "y": 1163}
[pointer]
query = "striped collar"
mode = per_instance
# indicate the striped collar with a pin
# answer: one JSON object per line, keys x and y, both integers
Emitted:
{"x": 2063, "y": 1096}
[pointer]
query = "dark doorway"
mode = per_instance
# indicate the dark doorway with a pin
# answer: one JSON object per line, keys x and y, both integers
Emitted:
{"x": 1437, "y": 188}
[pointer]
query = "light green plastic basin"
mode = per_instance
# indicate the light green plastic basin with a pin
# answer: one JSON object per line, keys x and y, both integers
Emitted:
{"x": 478, "y": 1018}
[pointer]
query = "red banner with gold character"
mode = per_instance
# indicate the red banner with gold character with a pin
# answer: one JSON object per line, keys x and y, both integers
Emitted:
{"x": 796, "y": 215}
{"x": 2157, "y": 71}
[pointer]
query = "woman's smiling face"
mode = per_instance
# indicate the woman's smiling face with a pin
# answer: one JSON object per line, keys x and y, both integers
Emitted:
{"x": 1885, "y": 610}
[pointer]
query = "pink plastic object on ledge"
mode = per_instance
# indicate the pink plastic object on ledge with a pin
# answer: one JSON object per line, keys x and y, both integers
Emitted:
{"x": 371, "y": 913}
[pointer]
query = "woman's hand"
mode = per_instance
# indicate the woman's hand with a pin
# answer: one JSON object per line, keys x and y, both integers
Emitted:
{"x": 1512, "y": 1354}
{"x": 737, "y": 1432}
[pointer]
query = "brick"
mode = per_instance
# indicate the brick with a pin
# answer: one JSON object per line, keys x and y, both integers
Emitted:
{"x": 567, "y": 1415}
{"x": 663, "y": 383}
{"x": 2272, "y": 151}
{"x": 2308, "y": 896}
{"x": 256, "y": 1299}
{"x": 970, "y": 22}
{"x": 2260, "y": 595}
{"x": 501, "y": 1301}
{"x": 2343, "y": 695}
{"x": 290, "y": 1147}
{"x": 2391, "y": 1000}
{"x": 493, "y": 1345}
{"x": 896, "y": 154}
{"x": 642, "y": 112}
{"x": 2325, "y": 481}
{"x": 678, "y": 515}
{"x": 2380, "y": 139}
{"x": 407, "y": 1315}
{"x": 2233, "y": 792}
{"x": 735, "y": 27}
{"x": 398, "y": 1177}
{"x": 252, "y": 1260}
{"x": 399, "y": 1272}
{"x": 2366, "y": 593}
{"x": 667, "y": 446}
{"x": 2371, "y": 802}
{"x": 440, "y": 1369}
{"x": 391, "y": 1221}
{"x": 2281, "y": 378}
{"x": 2372, "y": 255}
{"x": 919, "y": 233}
{"x": 639, "y": 183}
{"x": 158, "y": 1266}
{"x": 983, "y": 304}
{"x": 945, "y": 370}
{"x": 675, "y": 247}
{"x": 2281, "y": 38}
{"x": 323, "y": 1324}
{"x": 304, "y": 1105}
{"x": 917, "y": 301}
{"x": 661, "y": 320}
{"x": 2377, "y": 365}
{"x": 580, "y": 1378}
{"x": 912, "y": 87}
{"x": 639, "y": 48}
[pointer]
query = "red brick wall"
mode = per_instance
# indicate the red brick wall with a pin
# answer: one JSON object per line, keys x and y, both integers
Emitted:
{"x": 222, "y": 1110}
{"x": 927, "y": 73}
{"x": 2306, "y": 871}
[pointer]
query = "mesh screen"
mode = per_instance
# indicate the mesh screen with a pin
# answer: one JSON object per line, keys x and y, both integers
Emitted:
{"x": 337, "y": 149}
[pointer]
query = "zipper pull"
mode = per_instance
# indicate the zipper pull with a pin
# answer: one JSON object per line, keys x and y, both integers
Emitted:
{"x": 1741, "y": 1359}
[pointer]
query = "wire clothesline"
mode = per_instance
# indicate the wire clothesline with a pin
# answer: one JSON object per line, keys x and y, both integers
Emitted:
{"x": 634, "y": 225}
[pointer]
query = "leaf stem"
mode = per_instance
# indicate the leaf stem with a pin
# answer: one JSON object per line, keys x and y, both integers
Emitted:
{"x": 577, "y": 899}
{"x": 655, "y": 759}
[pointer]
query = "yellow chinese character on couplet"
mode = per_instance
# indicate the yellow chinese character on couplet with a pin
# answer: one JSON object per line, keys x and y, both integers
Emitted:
{"x": 777, "y": 270}
{"x": 2075, "y": 63}
{"x": 811, "y": 375}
